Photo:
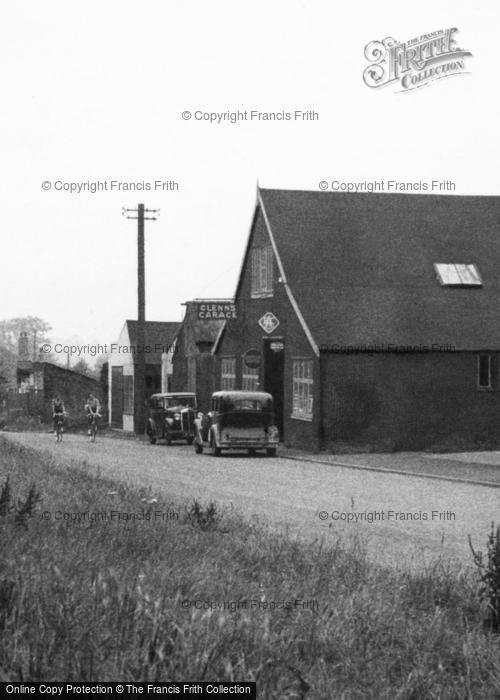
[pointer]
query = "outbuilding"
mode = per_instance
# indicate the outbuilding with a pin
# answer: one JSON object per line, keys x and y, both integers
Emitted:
{"x": 159, "y": 342}
{"x": 39, "y": 382}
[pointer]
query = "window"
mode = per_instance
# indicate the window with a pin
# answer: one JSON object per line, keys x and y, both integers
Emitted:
{"x": 302, "y": 389}
{"x": 484, "y": 372}
{"x": 204, "y": 346}
{"x": 254, "y": 405}
{"x": 453, "y": 275}
{"x": 128, "y": 394}
{"x": 250, "y": 378}
{"x": 262, "y": 271}
{"x": 228, "y": 373}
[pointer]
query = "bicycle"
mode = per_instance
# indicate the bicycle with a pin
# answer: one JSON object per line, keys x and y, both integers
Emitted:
{"x": 59, "y": 426}
{"x": 93, "y": 425}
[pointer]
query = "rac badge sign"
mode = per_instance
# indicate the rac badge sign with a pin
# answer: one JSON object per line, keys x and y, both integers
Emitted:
{"x": 269, "y": 322}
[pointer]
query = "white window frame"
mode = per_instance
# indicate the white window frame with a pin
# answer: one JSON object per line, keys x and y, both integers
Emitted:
{"x": 302, "y": 388}
{"x": 458, "y": 275}
{"x": 250, "y": 378}
{"x": 227, "y": 373}
{"x": 262, "y": 268}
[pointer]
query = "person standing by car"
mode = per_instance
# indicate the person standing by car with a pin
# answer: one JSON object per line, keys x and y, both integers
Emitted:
{"x": 92, "y": 409}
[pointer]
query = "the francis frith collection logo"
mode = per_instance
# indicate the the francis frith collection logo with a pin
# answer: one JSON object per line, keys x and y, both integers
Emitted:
{"x": 414, "y": 63}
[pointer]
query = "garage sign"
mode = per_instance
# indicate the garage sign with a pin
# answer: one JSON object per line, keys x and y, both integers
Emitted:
{"x": 211, "y": 311}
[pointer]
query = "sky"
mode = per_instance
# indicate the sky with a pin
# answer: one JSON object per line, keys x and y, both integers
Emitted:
{"x": 95, "y": 92}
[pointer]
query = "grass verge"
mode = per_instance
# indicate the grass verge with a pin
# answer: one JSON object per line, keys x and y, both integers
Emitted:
{"x": 201, "y": 594}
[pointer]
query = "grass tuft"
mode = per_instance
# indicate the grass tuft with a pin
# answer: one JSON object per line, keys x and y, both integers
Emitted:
{"x": 203, "y": 517}
{"x": 488, "y": 568}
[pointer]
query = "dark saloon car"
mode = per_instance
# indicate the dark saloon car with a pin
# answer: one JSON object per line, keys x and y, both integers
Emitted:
{"x": 238, "y": 420}
{"x": 171, "y": 417}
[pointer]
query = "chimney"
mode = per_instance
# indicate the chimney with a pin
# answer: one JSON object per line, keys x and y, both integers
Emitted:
{"x": 23, "y": 348}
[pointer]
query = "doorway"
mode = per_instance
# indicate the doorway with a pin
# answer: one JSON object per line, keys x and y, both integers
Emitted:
{"x": 274, "y": 377}
{"x": 117, "y": 397}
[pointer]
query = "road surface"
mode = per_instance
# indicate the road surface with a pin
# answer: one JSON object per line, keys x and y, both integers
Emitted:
{"x": 311, "y": 500}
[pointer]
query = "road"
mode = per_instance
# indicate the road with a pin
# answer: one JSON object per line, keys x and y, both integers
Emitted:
{"x": 296, "y": 495}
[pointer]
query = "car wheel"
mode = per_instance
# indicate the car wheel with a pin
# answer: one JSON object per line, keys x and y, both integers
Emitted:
{"x": 251, "y": 452}
{"x": 198, "y": 449}
{"x": 190, "y": 440}
{"x": 168, "y": 441}
{"x": 271, "y": 452}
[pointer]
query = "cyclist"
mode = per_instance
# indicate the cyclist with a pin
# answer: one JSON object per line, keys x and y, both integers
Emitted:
{"x": 58, "y": 412}
{"x": 93, "y": 410}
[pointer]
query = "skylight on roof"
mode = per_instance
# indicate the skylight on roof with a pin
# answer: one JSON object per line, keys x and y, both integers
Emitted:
{"x": 458, "y": 275}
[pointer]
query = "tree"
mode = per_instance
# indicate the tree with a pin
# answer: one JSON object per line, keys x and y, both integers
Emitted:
{"x": 8, "y": 365}
{"x": 83, "y": 368}
{"x": 36, "y": 328}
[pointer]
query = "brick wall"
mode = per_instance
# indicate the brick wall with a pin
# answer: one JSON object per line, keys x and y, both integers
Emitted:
{"x": 410, "y": 401}
{"x": 179, "y": 363}
{"x": 205, "y": 380}
{"x": 73, "y": 388}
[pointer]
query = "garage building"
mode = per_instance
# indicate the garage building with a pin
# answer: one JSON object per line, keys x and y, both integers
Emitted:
{"x": 372, "y": 318}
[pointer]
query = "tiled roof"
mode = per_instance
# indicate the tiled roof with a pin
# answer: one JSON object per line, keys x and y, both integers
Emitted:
{"x": 361, "y": 266}
{"x": 158, "y": 334}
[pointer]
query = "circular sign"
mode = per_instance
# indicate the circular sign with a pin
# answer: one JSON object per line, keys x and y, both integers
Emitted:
{"x": 252, "y": 359}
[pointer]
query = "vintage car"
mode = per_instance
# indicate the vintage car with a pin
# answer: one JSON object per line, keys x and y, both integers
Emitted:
{"x": 238, "y": 420}
{"x": 171, "y": 417}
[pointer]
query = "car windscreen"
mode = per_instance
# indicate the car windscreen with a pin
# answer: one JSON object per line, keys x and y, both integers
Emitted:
{"x": 262, "y": 406}
{"x": 246, "y": 412}
{"x": 180, "y": 401}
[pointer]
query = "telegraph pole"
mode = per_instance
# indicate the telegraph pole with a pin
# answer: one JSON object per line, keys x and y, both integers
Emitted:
{"x": 140, "y": 356}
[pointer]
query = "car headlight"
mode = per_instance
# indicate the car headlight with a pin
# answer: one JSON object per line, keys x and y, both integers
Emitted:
{"x": 177, "y": 416}
{"x": 169, "y": 420}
